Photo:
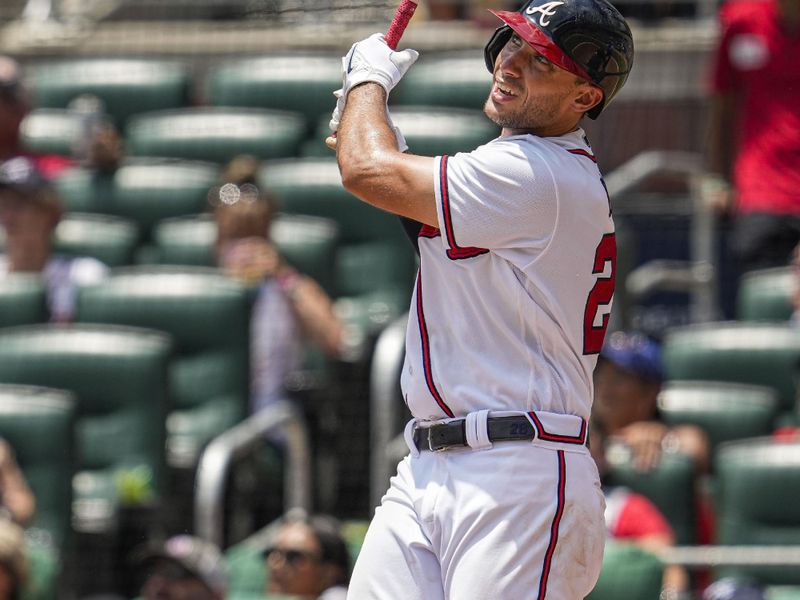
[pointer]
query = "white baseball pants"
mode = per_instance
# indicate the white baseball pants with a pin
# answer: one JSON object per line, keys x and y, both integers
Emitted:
{"x": 515, "y": 521}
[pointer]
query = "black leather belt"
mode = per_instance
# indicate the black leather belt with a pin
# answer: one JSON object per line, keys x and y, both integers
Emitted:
{"x": 453, "y": 434}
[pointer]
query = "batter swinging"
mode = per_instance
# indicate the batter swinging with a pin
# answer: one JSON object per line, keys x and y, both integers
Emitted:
{"x": 499, "y": 498}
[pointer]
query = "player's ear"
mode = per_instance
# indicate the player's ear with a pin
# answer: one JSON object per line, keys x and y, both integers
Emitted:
{"x": 586, "y": 97}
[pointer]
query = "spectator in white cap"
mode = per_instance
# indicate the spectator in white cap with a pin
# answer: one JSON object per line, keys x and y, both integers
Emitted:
{"x": 183, "y": 568}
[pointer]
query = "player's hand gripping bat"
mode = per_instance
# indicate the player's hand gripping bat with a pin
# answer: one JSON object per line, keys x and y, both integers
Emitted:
{"x": 398, "y": 25}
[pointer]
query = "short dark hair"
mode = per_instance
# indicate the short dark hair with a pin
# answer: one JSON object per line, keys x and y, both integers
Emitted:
{"x": 333, "y": 547}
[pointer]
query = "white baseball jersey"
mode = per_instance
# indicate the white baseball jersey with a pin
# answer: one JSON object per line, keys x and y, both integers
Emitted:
{"x": 515, "y": 286}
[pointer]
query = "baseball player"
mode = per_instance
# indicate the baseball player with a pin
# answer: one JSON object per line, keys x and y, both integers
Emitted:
{"x": 499, "y": 497}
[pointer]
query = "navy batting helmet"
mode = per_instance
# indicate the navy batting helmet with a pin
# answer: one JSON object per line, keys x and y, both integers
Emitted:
{"x": 589, "y": 38}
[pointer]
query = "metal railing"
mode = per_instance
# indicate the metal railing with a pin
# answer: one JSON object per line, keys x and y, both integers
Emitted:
{"x": 385, "y": 400}
{"x": 220, "y": 455}
{"x": 699, "y": 275}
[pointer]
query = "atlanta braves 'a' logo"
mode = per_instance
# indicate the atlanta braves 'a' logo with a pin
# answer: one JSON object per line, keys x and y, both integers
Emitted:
{"x": 548, "y": 9}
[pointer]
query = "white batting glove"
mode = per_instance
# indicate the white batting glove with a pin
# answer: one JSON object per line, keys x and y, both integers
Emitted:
{"x": 373, "y": 60}
{"x": 336, "y": 119}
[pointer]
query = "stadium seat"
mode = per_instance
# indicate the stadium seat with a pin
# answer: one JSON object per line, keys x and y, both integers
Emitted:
{"x": 144, "y": 190}
{"x": 126, "y": 86}
{"x": 428, "y": 130}
{"x": 307, "y": 243}
{"x": 207, "y": 316}
{"x": 39, "y": 424}
{"x": 22, "y": 300}
{"x": 111, "y": 240}
{"x": 119, "y": 377}
{"x": 51, "y": 131}
{"x": 670, "y": 486}
{"x": 756, "y": 353}
{"x": 766, "y": 295}
{"x": 295, "y": 82}
{"x": 216, "y": 134}
{"x": 375, "y": 264}
{"x": 628, "y": 573}
{"x": 433, "y": 131}
{"x": 725, "y": 411}
{"x": 782, "y": 592}
{"x": 757, "y": 481}
{"x": 450, "y": 79}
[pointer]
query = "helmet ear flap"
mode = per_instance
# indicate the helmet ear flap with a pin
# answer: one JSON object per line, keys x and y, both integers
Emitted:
{"x": 499, "y": 39}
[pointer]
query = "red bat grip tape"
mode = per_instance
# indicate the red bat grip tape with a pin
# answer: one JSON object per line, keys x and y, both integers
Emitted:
{"x": 401, "y": 18}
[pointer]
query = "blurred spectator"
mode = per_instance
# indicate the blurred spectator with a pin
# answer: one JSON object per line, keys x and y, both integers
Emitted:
{"x": 182, "y": 568}
{"x": 754, "y": 137}
{"x": 628, "y": 380}
{"x": 733, "y": 589}
{"x": 14, "y": 107}
{"x": 633, "y": 518}
{"x": 13, "y": 561}
{"x": 30, "y": 209}
{"x": 289, "y": 305}
{"x": 309, "y": 559}
{"x": 17, "y": 502}
{"x": 102, "y": 151}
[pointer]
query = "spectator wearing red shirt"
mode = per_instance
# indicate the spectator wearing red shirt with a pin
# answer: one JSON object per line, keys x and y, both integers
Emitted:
{"x": 755, "y": 128}
{"x": 631, "y": 517}
{"x": 14, "y": 107}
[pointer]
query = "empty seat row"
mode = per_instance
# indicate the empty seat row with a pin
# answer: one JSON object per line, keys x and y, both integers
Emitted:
{"x": 302, "y": 83}
{"x": 217, "y": 134}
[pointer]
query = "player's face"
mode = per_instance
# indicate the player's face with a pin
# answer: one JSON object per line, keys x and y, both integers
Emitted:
{"x": 532, "y": 95}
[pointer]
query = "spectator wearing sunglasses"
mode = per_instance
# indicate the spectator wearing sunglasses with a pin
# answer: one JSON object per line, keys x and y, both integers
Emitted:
{"x": 309, "y": 559}
{"x": 182, "y": 568}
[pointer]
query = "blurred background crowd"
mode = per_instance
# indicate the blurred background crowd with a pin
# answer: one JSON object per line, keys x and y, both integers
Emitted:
{"x": 201, "y": 332}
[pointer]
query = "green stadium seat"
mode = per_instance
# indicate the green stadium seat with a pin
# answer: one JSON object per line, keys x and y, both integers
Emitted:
{"x": 119, "y": 377}
{"x": 82, "y": 190}
{"x": 432, "y": 131}
{"x": 766, "y": 295}
{"x": 782, "y": 592}
{"x": 39, "y": 424}
{"x": 756, "y": 353}
{"x": 449, "y": 79}
{"x": 725, "y": 411}
{"x": 297, "y": 82}
{"x": 307, "y": 243}
{"x": 757, "y": 481}
{"x": 23, "y": 300}
{"x": 428, "y": 130}
{"x": 144, "y": 190}
{"x": 207, "y": 315}
{"x": 670, "y": 486}
{"x": 111, "y": 240}
{"x": 374, "y": 256}
{"x": 126, "y": 86}
{"x": 187, "y": 241}
{"x": 216, "y": 134}
{"x": 628, "y": 573}
{"x": 51, "y": 131}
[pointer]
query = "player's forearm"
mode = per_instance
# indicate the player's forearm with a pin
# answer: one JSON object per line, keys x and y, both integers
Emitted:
{"x": 372, "y": 166}
{"x": 365, "y": 142}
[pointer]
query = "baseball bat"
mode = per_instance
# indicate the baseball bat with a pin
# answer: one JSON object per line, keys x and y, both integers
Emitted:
{"x": 398, "y": 25}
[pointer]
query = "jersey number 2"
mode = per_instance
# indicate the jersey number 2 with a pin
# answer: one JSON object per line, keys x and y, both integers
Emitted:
{"x": 601, "y": 295}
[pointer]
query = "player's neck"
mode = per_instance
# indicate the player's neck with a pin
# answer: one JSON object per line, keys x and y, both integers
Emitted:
{"x": 554, "y": 130}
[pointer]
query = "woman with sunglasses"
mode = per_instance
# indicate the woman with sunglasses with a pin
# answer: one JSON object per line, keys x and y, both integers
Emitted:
{"x": 308, "y": 559}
